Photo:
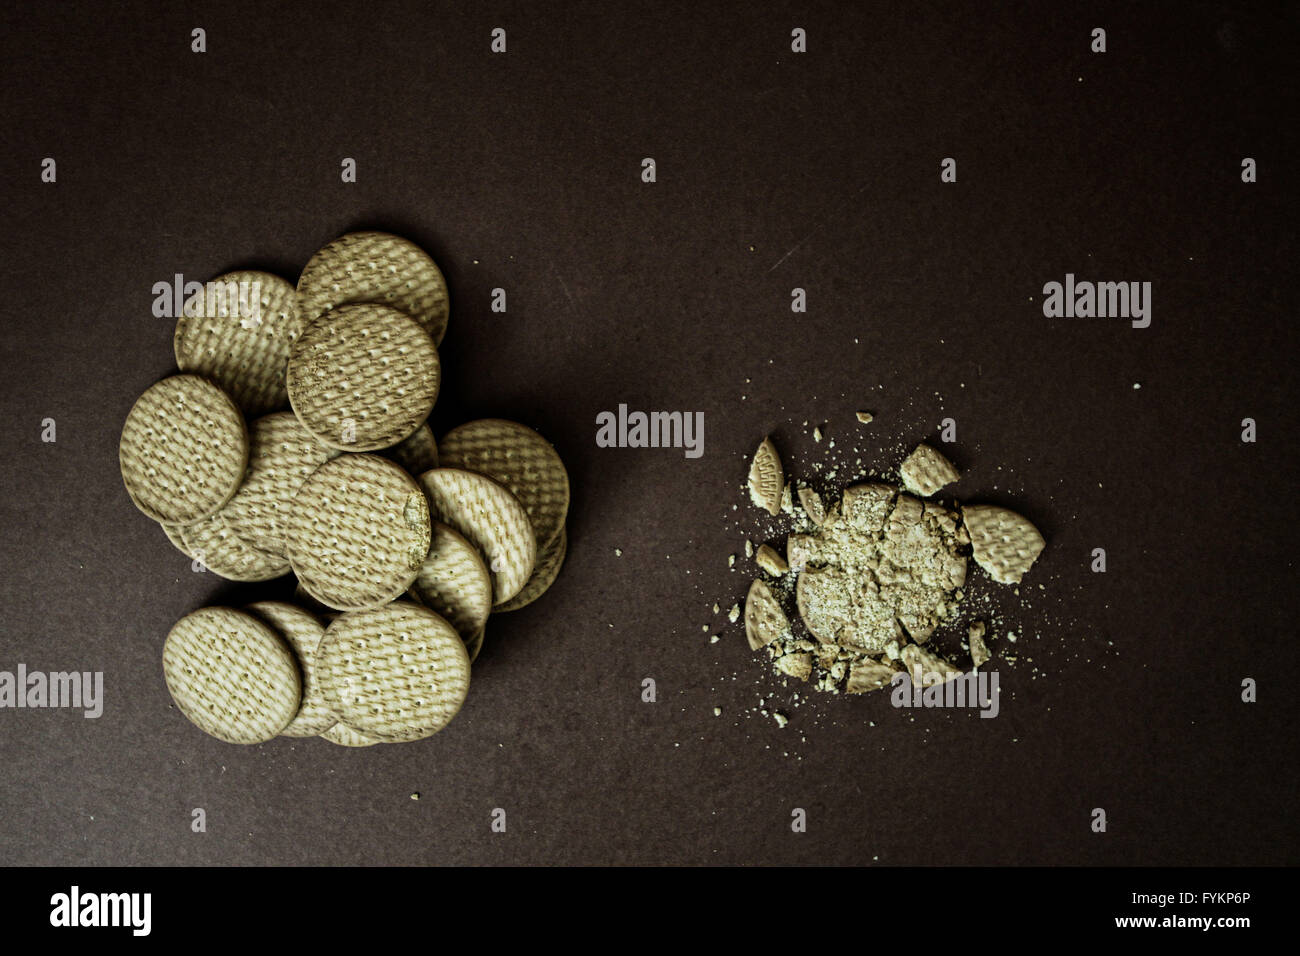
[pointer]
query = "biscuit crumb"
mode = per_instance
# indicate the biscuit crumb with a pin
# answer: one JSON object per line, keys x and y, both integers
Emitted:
{"x": 865, "y": 417}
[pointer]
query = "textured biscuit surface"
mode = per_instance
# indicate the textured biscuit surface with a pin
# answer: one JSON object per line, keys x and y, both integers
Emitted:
{"x": 547, "y": 570}
{"x": 238, "y": 334}
{"x": 281, "y": 456}
{"x": 884, "y": 566}
{"x": 764, "y": 619}
{"x": 399, "y": 672}
{"x": 1004, "y": 543}
{"x": 417, "y": 452}
{"x": 491, "y": 519}
{"x": 455, "y": 582}
{"x": 363, "y": 377}
{"x": 925, "y": 471}
{"x": 232, "y": 675}
{"x": 380, "y": 268}
{"x": 767, "y": 478}
{"x": 225, "y": 553}
{"x": 345, "y": 736}
{"x": 183, "y": 450}
{"x": 521, "y": 460}
{"x": 358, "y": 532}
{"x": 303, "y": 632}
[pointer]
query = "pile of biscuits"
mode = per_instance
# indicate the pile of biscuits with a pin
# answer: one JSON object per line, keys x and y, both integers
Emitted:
{"x": 295, "y": 441}
{"x": 875, "y": 574}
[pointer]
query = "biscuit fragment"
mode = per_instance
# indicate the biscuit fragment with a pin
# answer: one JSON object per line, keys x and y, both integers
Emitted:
{"x": 925, "y": 471}
{"x": 770, "y": 561}
{"x": 766, "y": 478}
{"x": 1004, "y": 543}
{"x": 764, "y": 619}
{"x": 885, "y": 567}
{"x": 866, "y": 675}
{"x": 795, "y": 665}
{"x": 926, "y": 669}
{"x": 812, "y": 505}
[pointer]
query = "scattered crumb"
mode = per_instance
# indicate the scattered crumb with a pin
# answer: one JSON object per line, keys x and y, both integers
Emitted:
{"x": 865, "y": 417}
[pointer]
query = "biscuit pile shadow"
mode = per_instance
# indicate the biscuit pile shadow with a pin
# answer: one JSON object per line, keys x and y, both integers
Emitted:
{"x": 295, "y": 440}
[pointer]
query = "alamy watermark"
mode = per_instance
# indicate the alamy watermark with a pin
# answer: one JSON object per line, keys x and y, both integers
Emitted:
{"x": 624, "y": 429}
{"x": 241, "y": 299}
{"x": 77, "y": 690}
{"x": 75, "y": 908}
{"x": 973, "y": 689}
{"x": 1102, "y": 300}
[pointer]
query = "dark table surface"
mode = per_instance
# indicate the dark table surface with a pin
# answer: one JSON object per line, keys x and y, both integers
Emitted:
{"x": 775, "y": 171}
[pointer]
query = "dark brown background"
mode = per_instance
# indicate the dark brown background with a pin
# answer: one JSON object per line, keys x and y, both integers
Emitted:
{"x": 819, "y": 171}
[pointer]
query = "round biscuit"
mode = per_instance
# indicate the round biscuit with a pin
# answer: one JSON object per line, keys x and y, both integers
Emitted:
{"x": 417, "y": 452}
{"x": 376, "y": 267}
{"x": 491, "y": 519}
{"x": 474, "y": 643}
{"x": 548, "y": 569}
{"x": 232, "y": 675}
{"x": 281, "y": 456}
{"x": 303, "y": 632}
{"x": 363, "y": 377}
{"x": 240, "y": 336}
{"x": 398, "y": 672}
{"x": 221, "y": 550}
{"x": 345, "y": 736}
{"x": 358, "y": 532}
{"x": 183, "y": 450}
{"x": 455, "y": 582}
{"x": 521, "y": 460}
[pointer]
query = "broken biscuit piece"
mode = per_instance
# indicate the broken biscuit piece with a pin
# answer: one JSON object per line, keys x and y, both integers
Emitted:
{"x": 928, "y": 669}
{"x": 798, "y": 548}
{"x": 979, "y": 652}
{"x": 764, "y": 619}
{"x": 812, "y": 505}
{"x": 925, "y": 471}
{"x": 795, "y": 665}
{"x": 866, "y": 675}
{"x": 770, "y": 561}
{"x": 1003, "y": 543}
{"x": 766, "y": 478}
